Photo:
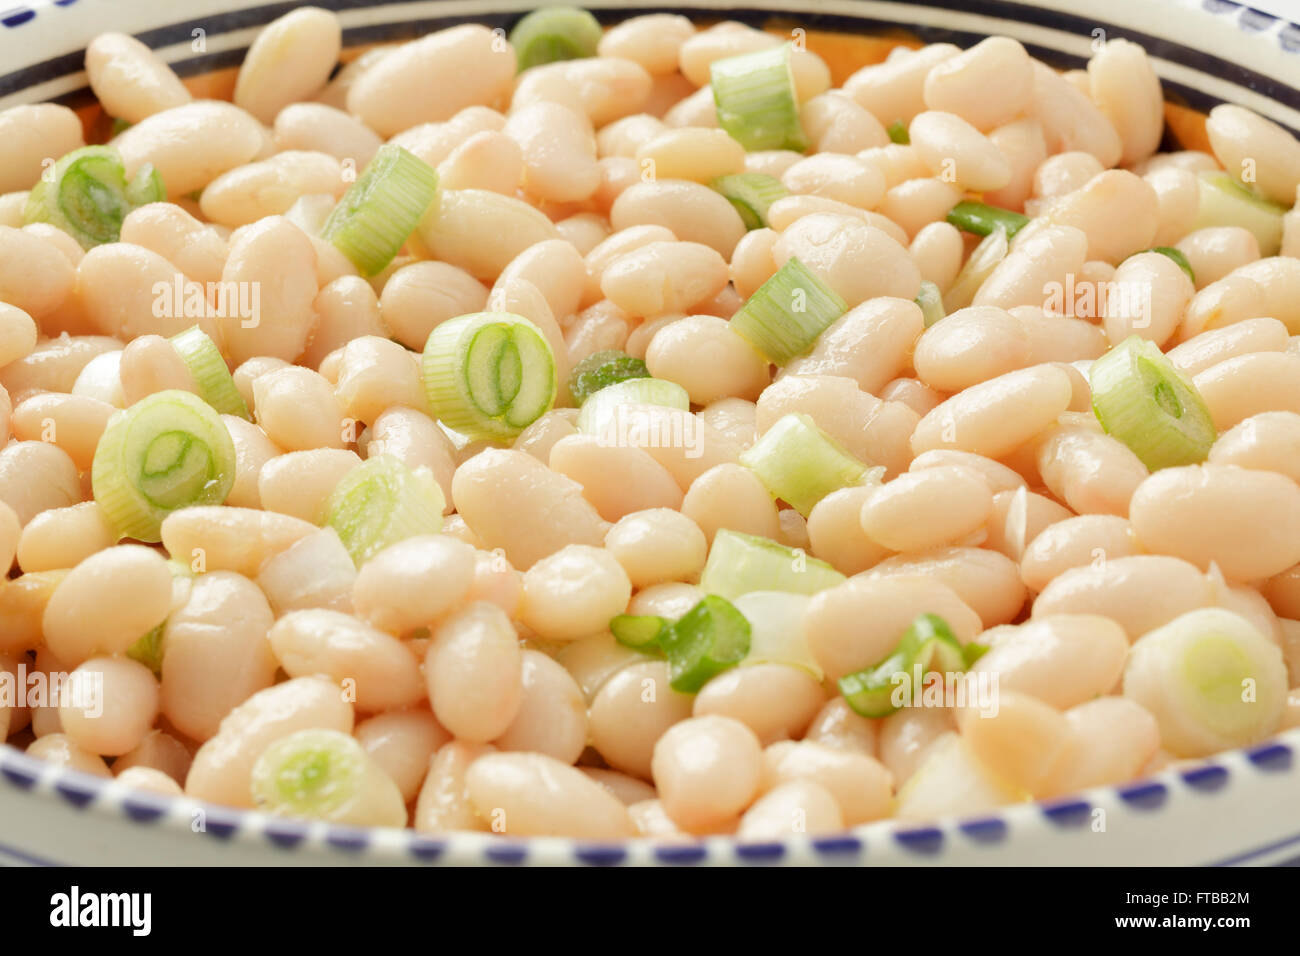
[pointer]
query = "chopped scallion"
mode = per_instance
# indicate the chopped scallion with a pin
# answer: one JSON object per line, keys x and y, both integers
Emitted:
{"x": 602, "y": 369}
{"x": 641, "y": 632}
{"x": 799, "y": 463}
{"x": 599, "y": 413}
{"x": 1143, "y": 400}
{"x": 930, "y": 299}
{"x": 756, "y": 101}
{"x": 555, "y": 33}
{"x": 488, "y": 375}
{"x": 382, "y": 208}
{"x": 752, "y": 194}
{"x": 982, "y": 219}
{"x": 325, "y": 775}
{"x": 381, "y": 502}
{"x": 898, "y": 133}
{"x": 983, "y": 260}
{"x": 927, "y": 645}
{"x": 148, "y": 650}
{"x": 170, "y": 450}
{"x": 88, "y": 195}
{"x": 1178, "y": 257}
{"x": 784, "y": 316}
{"x": 1222, "y": 201}
{"x": 743, "y": 563}
{"x": 216, "y": 385}
{"x": 707, "y": 640}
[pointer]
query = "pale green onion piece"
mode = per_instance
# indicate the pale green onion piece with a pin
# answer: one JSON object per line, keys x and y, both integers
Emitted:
{"x": 555, "y": 33}
{"x": 601, "y": 370}
{"x": 1143, "y": 400}
{"x": 382, "y": 502}
{"x": 776, "y": 630}
{"x": 983, "y": 260}
{"x": 741, "y": 563}
{"x": 799, "y": 463}
{"x": 216, "y": 385}
{"x": 752, "y": 194}
{"x": 168, "y": 451}
{"x": 1222, "y": 201}
{"x": 148, "y": 650}
{"x": 381, "y": 209}
{"x": 599, "y": 413}
{"x": 87, "y": 195}
{"x": 325, "y": 775}
{"x": 488, "y": 375}
{"x": 930, "y": 299}
{"x": 897, "y": 131}
{"x": 641, "y": 632}
{"x": 784, "y": 316}
{"x": 756, "y": 101}
{"x": 1211, "y": 680}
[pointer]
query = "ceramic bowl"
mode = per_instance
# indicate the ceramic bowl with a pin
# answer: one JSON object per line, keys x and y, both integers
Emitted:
{"x": 1240, "y": 807}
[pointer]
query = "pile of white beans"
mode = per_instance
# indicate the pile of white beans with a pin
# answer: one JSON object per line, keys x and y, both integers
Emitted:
{"x": 476, "y": 667}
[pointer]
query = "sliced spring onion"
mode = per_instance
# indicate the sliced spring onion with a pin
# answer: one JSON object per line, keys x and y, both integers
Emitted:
{"x": 216, "y": 385}
{"x": 983, "y": 260}
{"x": 555, "y": 33}
{"x": 148, "y": 650}
{"x": 708, "y": 639}
{"x": 382, "y": 502}
{"x": 641, "y": 632}
{"x": 982, "y": 219}
{"x": 897, "y": 131}
{"x": 752, "y": 194}
{"x": 1222, "y": 201}
{"x": 927, "y": 645}
{"x": 799, "y": 463}
{"x": 88, "y": 195}
{"x": 168, "y": 451}
{"x": 742, "y": 563}
{"x": 382, "y": 208}
{"x": 325, "y": 775}
{"x": 601, "y": 370}
{"x": 930, "y": 299}
{"x": 599, "y": 413}
{"x": 1143, "y": 400}
{"x": 488, "y": 375}
{"x": 784, "y": 316}
{"x": 756, "y": 102}
{"x": 776, "y": 630}
{"x": 1178, "y": 257}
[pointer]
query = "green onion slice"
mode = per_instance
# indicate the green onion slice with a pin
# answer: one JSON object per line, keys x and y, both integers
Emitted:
{"x": 1178, "y": 257}
{"x": 799, "y": 463}
{"x": 983, "y": 260}
{"x": 148, "y": 650}
{"x": 756, "y": 102}
{"x": 930, "y": 299}
{"x": 599, "y": 413}
{"x": 641, "y": 632}
{"x": 743, "y": 563}
{"x": 927, "y": 645}
{"x": 488, "y": 375}
{"x": 982, "y": 219}
{"x": 168, "y": 451}
{"x": 1222, "y": 201}
{"x": 216, "y": 385}
{"x": 752, "y": 194}
{"x": 784, "y": 316}
{"x": 382, "y": 208}
{"x": 88, "y": 195}
{"x": 555, "y": 33}
{"x": 601, "y": 370}
{"x": 325, "y": 775}
{"x": 897, "y": 131}
{"x": 382, "y": 502}
{"x": 1143, "y": 400}
{"x": 708, "y": 639}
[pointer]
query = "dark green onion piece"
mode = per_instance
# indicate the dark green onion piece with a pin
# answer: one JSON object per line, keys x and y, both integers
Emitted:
{"x": 930, "y": 299}
{"x": 1178, "y": 257}
{"x": 555, "y": 33}
{"x": 708, "y": 639}
{"x": 898, "y": 133}
{"x": 641, "y": 632}
{"x": 928, "y": 645}
{"x": 87, "y": 195}
{"x": 752, "y": 194}
{"x": 602, "y": 369}
{"x": 784, "y": 316}
{"x": 981, "y": 219}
